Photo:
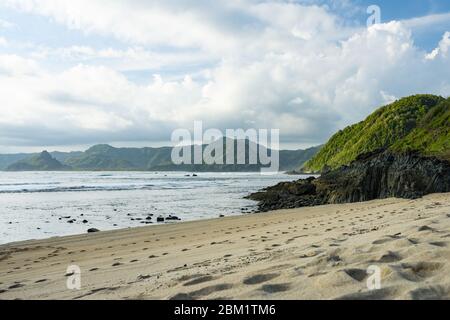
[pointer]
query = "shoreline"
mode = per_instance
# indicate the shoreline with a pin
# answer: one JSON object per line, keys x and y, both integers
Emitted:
{"x": 307, "y": 253}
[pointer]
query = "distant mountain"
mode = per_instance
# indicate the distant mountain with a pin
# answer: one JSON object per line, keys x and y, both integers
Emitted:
{"x": 107, "y": 158}
{"x": 417, "y": 123}
{"x": 8, "y": 159}
{"x": 41, "y": 162}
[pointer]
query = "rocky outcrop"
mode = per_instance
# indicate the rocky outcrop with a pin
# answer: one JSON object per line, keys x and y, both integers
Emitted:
{"x": 378, "y": 175}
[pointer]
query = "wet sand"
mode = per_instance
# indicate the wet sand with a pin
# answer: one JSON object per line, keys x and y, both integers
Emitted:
{"x": 309, "y": 253}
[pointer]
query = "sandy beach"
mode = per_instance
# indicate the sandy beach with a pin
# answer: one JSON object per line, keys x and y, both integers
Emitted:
{"x": 309, "y": 253}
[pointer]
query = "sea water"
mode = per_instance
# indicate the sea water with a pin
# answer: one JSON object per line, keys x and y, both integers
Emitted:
{"x": 37, "y": 205}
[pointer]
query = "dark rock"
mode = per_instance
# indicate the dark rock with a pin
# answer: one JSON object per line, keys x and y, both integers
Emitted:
{"x": 85, "y": 221}
{"x": 173, "y": 218}
{"x": 160, "y": 219}
{"x": 377, "y": 175}
{"x": 93, "y": 230}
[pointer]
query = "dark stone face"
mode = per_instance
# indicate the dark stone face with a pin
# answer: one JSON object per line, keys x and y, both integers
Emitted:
{"x": 373, "y": 176}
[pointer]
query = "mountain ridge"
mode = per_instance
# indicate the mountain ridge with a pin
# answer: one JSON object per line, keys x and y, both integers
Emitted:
{"x": 41, "y": 162}
{"x": 103, "y": 157}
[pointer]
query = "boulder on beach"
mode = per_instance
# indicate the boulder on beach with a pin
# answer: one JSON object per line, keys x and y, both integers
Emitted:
{"x": 93, "y": 230}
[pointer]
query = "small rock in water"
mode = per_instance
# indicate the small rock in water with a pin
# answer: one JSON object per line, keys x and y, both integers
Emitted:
{"x": 148, "y": 218}
{"x": 92, "y": 230}
{"x": 173, "y": 218}
{"x": 222, "y": 216}
{"x": 194, "y": 175}
{"x": 85, "y": 221}
{"x": 160, "y": 219}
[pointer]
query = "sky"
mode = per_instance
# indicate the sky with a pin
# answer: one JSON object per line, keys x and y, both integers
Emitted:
{"x": 78, "y": 73}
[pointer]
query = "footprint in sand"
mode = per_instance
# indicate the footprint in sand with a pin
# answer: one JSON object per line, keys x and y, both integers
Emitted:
{"x": 382, "y": 241}
{"x": 202, "y": 292}
{"x": 275, "y": 288}
{"x": 41, "y": 281}
{"x": 419, "y": 271}
{"x": 382, "y": 294}
{"x": 441, "y": 244}
{"x": 426, "y": 228}
{"x": 16, "y": 286}
{"x": 431, "y": 293}
{"x": 198, "y": 280}
{"x": 389, "y": 258}
{"x": 356, "y": 274}
{"x": 260, "y": 278}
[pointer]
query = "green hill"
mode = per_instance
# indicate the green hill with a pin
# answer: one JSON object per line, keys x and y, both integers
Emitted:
{"x": 107, "y": 158}
{"x": 416, "y": 123}
{"x": 41, "y": 162}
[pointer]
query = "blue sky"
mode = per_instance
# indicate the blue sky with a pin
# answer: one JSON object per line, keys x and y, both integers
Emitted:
{"x": 78, "y": 73}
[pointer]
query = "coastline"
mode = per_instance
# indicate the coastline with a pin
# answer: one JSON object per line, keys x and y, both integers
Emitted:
{"x": 308, "y": 253}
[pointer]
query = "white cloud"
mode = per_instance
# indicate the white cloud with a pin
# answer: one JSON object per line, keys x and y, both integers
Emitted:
{"x": 269, "y": 64}
{"x": 442, "y": 49}
{"x": 427, "y": 21}
{"x": 3, "y": 42}
{"x": 131, "y": 58}
{"x": 14, "y": 65}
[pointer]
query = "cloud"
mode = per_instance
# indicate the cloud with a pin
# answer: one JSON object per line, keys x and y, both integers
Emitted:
{"x": 3, "y": 42}
{"x": 442, "y": 49}
{"x": 257, "y": 63}
{"x": 130, "y": 58}
{"x": 427, "y": 21}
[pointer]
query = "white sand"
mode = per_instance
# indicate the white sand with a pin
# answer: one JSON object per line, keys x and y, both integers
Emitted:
{"x": 309, "y": 253}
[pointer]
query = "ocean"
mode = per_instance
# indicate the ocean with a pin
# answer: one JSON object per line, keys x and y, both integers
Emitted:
{"x": 38, "y": 205}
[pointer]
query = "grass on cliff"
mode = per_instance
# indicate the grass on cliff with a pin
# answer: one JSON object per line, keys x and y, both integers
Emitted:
{"x": 419, "y": 122}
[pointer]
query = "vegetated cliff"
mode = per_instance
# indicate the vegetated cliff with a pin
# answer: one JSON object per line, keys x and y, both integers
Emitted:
{"x": 412, "y": 159}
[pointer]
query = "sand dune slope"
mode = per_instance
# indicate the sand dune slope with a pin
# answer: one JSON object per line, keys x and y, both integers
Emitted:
{"x": 310, "y": 253}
